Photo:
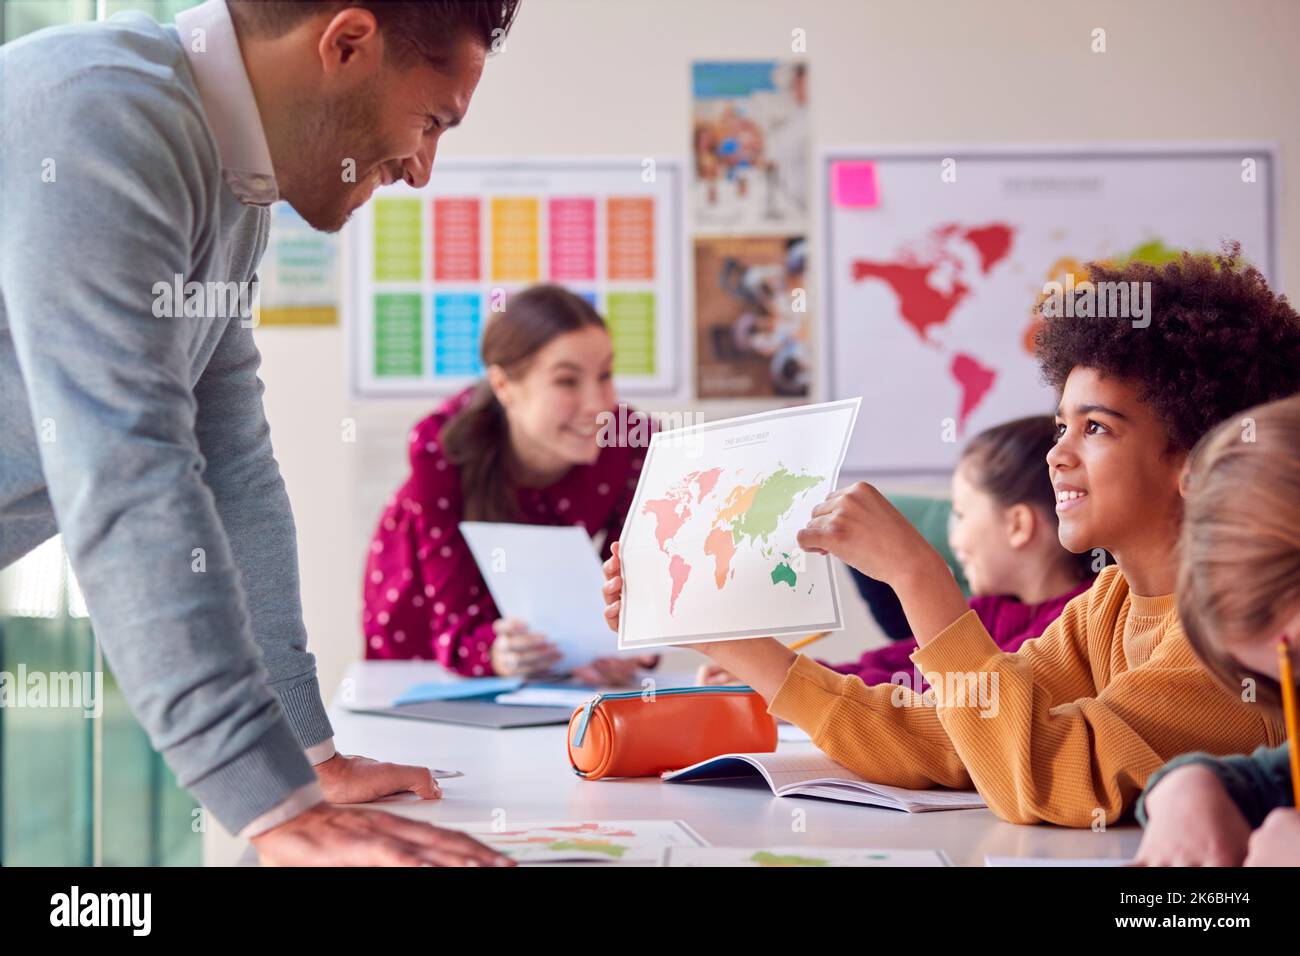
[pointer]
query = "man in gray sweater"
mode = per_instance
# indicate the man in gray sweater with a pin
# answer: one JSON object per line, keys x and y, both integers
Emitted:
{"x": 139, "y": 160}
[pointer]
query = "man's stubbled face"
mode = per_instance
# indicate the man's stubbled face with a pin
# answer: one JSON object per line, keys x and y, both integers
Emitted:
{"x": 383, "y": 130}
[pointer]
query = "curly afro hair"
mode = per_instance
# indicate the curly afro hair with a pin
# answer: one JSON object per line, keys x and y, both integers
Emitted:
{"x": 1219, "y": 341}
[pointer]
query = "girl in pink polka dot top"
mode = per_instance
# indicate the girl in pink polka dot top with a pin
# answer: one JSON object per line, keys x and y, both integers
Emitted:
{"x": 522, "y": 445}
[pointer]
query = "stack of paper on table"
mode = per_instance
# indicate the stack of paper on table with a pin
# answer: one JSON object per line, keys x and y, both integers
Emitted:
{"x": 492, "y": 702}
{"x": 467, "y": 689}
{"x": 802, "y": 774}
{"x": 500, "y": 690}
{"x": 543, "y": 695}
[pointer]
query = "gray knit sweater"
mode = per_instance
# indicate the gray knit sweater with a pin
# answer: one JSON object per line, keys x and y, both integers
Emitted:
{"x": 141, "y": 437}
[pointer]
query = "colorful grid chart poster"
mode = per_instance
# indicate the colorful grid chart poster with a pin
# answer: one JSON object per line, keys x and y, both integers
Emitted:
{"x": 429, "y": 268}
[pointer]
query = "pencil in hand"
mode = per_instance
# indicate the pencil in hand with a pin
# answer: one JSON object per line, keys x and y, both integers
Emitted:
{"x": 810, "y": 639}
{"x": 1286, "y": 676}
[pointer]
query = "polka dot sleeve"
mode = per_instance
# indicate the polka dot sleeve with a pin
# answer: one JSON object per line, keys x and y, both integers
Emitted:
{"x": 424, "y": 596}
{"x": 623, "y": 483}
{"x": 625, "y": 487}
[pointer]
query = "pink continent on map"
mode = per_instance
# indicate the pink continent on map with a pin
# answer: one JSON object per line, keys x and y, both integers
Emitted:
{"x": 679, "y": 571}
{"x": 705, "y": 480}
{"x": 668, "y": 520}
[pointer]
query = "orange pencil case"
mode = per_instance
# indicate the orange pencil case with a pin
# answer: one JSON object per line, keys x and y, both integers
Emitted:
{"x": 643, "y": 734}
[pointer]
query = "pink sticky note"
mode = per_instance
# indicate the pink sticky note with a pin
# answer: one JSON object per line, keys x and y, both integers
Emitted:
{"x": 853, "y": 185}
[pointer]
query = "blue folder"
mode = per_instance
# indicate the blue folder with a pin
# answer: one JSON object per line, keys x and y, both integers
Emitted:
{"x": 470, "y": 688}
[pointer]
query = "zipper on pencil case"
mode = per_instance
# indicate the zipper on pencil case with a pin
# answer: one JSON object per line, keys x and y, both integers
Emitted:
{"x": 624, "y": 694}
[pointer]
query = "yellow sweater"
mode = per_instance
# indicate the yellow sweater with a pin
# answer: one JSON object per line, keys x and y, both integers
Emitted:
{"x": 1066, "y": 730}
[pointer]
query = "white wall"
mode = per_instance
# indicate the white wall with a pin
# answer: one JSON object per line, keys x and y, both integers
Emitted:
{"x": 612, "y": 77}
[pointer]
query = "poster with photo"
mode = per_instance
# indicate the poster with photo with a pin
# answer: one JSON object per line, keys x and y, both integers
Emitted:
{"x": 298, "y": 278}
{"x": 750, "y": 141}
{"x": 752, "y": 325}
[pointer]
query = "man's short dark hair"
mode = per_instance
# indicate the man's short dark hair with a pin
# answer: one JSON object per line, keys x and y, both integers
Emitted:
{"x": 413, "y": 29}
{"x": 1220, "y": 341}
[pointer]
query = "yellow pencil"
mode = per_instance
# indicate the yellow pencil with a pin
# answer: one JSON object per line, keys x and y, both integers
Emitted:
{"x": 805, "y": 641}
{"x": 1287, "y": 677}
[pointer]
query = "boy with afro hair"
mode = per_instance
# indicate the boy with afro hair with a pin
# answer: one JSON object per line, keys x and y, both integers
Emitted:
{"x": 1067, "y": 729}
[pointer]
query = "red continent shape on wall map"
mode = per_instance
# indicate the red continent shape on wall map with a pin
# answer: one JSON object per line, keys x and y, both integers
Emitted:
{"x": 975, "y": 381}
{"x": 924, "y": 306}
{"x": 993, "y": 243}
{"x": 920, "y": 304}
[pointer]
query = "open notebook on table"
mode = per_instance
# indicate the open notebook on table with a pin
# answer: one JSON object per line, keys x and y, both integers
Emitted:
{"x": 801, "y": 774}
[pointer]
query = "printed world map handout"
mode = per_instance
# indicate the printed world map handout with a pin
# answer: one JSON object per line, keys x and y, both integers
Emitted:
{"x": 709, "y": 548}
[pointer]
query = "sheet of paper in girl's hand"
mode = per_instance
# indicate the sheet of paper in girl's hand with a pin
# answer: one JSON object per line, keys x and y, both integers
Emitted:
{"x": 709, "y": 548}
{"x": 549, "y": 577}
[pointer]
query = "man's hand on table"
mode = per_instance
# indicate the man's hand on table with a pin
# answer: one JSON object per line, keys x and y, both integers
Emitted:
{"x": 346, "y": 779}
{"x": 326, "y": 835}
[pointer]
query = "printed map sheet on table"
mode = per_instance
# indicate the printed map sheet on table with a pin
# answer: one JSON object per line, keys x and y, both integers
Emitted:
{"x": 792, "y": 856}
{"x": 709, "y": 548}
{"x": 634, "y": 842}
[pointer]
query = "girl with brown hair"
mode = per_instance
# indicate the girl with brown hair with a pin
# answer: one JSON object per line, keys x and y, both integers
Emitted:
{"x": 526, "y": 444}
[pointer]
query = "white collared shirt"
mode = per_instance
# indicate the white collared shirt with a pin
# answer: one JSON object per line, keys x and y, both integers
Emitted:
{"x": 208, "y": 35}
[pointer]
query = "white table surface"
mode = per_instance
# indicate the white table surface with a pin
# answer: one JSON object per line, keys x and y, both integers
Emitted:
{"x": 525, "y": 773}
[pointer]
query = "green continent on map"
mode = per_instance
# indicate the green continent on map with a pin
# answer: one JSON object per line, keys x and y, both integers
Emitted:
{"x": 1153, "y": 252}
{"x": 748, "y": 512}
{"x": 783, "y": 572}
{"x": 768, "y": 858}
{"x": 774, "y": 498}
{"x": 589, "y": 846}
